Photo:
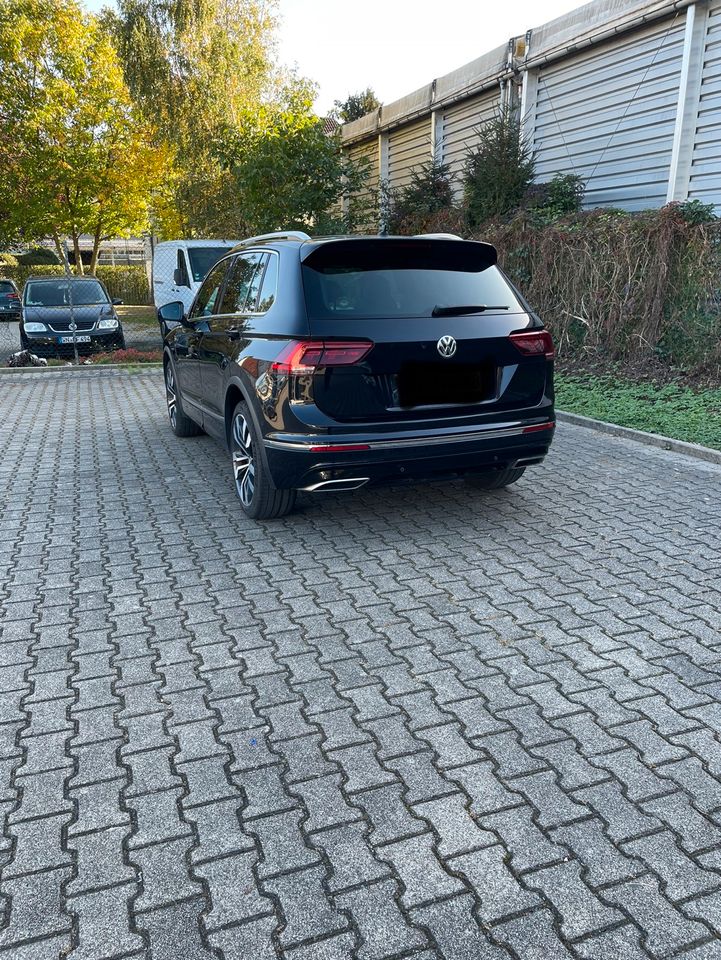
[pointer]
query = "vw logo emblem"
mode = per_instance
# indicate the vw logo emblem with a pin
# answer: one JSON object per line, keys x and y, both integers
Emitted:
{"x": 446, "y": 346}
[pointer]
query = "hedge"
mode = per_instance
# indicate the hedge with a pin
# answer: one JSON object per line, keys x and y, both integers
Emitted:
{"x": 129, "y": 283}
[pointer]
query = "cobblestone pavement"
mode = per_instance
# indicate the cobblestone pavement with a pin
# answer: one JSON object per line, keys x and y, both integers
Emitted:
{"x": 423, "y": 722}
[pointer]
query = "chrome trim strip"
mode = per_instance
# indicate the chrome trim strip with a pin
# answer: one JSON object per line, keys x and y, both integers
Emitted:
{"x": 410, "y": 442}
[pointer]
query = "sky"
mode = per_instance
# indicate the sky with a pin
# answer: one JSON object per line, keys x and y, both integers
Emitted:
{"x": 394, "y": 46}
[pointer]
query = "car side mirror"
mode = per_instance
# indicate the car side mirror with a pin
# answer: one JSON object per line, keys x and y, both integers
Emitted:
{"x": 117, "y": 302}
{"x": 173, "y": 312}
{"x": 179, "y": 278}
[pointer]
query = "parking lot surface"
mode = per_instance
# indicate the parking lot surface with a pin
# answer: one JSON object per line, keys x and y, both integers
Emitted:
{"x": 423, "y": 722}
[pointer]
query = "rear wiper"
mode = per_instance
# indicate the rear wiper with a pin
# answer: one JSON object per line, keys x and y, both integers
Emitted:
{"x": 458, "y": 311}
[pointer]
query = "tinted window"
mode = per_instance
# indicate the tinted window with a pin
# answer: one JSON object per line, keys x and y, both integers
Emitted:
{"x": 183, "y": 270}
{"x": 269, "y": 286}
{"x": 397, "y": 278}
{"x": 205, "y": 302}
{"x": 61, "y": 293}
{"x": 6, "y": 287}
{"x": 203, "y": 258}
{"x": 241, "y": 288}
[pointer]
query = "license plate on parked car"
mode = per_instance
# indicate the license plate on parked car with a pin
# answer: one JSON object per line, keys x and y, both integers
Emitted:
{"x": 78, "y": 339}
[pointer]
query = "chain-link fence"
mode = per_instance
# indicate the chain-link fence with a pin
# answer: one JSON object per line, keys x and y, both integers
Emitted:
{"x": 178, "y": 270}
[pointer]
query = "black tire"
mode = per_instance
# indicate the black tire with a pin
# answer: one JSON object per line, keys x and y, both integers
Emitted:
{"x": 494, "y": 479}
{"x": 181, "y": 425}
{"x": 258, "y": 497}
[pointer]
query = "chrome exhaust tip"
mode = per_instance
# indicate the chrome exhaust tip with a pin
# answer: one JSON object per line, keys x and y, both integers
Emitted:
{"x": 329, "y": 486}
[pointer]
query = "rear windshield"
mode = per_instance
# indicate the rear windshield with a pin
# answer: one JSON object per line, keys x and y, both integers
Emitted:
{"x": 61, "y": 293}
{"x": 6, "y": 287}
{"x": 203, "y": 258}
{"x": 397, "y": 279}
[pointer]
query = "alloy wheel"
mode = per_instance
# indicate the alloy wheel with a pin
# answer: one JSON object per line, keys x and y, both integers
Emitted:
{"x": 171, "y": 396}
{"x": 243, "y": 462}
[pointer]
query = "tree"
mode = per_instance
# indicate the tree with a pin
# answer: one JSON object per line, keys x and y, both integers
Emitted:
{"x": 196, "y": 67}
{"x": 356, "y": 105}
{"x": 499, "y": 170}
{"x": 74, "y": 157}
{"x": 427, "y": 200}
{"x": 283, "y": 171}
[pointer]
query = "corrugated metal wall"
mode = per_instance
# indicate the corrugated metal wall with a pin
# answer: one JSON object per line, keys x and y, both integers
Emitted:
{"x": 408, "y": 147}
{"x": 459, "y": 130}
{"x": 614, "y": 107}
{"x": 368, "y": 152}
{"x": 609, "y": 113}
{"x": 705, "y": 180}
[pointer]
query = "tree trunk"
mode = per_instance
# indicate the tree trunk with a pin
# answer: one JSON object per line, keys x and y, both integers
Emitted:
{"x": 96, "y": 249}
{"x": 79, "y": 269}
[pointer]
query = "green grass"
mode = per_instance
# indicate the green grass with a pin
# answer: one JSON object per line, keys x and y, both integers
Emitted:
{"x": 671, "y": 410}
{"x": 141, "y": 315}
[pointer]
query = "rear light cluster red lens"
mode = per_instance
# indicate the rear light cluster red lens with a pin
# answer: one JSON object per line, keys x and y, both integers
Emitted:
{"x": 305, "y": 357}
{"x": 534, "y": 343}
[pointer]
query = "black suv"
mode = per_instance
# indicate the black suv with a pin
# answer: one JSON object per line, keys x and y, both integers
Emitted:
{"x": 330, "y": 363}
{"x": 9, "y": 300}
{"x": 51, "y": 304}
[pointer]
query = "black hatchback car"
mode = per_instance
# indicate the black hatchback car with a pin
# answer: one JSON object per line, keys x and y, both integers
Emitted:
{"x": 50, "y": 305}
{"x": 9, "y": 300}
{"x": 327, "y": 364}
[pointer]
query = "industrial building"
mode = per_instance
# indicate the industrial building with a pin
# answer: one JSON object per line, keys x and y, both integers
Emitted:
{"x": 624, "y": 93}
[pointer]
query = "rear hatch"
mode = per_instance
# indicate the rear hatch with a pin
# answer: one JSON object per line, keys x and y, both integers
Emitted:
{"x": 438, "y": 314}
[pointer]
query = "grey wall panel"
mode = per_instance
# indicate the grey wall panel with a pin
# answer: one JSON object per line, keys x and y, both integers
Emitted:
{"x": 408, "y": 147}
{"x": 459, "y": 130}
{"x": 705, "y": 179}
{"x": 368, "y": 151}
{"x": 609, "y": 113}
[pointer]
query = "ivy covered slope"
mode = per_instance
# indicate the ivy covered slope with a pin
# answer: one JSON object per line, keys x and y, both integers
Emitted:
{"x": 671, "y": 410}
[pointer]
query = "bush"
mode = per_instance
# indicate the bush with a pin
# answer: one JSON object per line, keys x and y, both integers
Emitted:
{"x": 7, "y": 260}
{"x": 128, "y": 283}
{"x": 427, "y": 197}
{"x": 129, "y": 355}
{"x": 561, "y": 195}
{"x": 621, "y": 286}
{"x": 38, "y": 256}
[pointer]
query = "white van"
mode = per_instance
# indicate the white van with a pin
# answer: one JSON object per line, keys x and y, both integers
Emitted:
{"x": 180, "y": 266}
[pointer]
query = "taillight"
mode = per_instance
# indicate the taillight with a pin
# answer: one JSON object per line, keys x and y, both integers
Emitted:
{"x": 13, "y": 296}
{"x": 305, "y": 357}
{"x": 534, "y": 343}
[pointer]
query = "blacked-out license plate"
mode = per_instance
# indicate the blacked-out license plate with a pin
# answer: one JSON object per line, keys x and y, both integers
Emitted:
{"x": 432, "y": 384}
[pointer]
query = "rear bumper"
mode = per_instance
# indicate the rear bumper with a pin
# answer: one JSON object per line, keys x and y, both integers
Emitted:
{"x": 337, "y": 462}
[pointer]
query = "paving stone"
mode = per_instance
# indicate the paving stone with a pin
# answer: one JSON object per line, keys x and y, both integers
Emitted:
{"x": 282, "y": 844}
{"x": 499, "y": 892}
{"x": 456, "y": 930}
{"x": 383, "y": 929}
{"x": 103, "y": 919}
{"x": 533, "y": 935}
{"x": 665, "y": 928}
{"x": 308, "y": 912}
{"x": 386, "y": 705}
{"x": 695, "y": 832}
{"x": 680, "y": 874}
{"x": 604, "y": 862}
{"x": 174, "y": 932}
{"x": 349, "y": 854}
{"x": 422, "y": 876}
{"x": 457, "y": 828}
{"x": 581, "y": 911}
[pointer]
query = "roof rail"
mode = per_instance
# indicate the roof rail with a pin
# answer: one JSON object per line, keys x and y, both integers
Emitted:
{"x": 437, "y": 236}
{"x": 278, "y": 235}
